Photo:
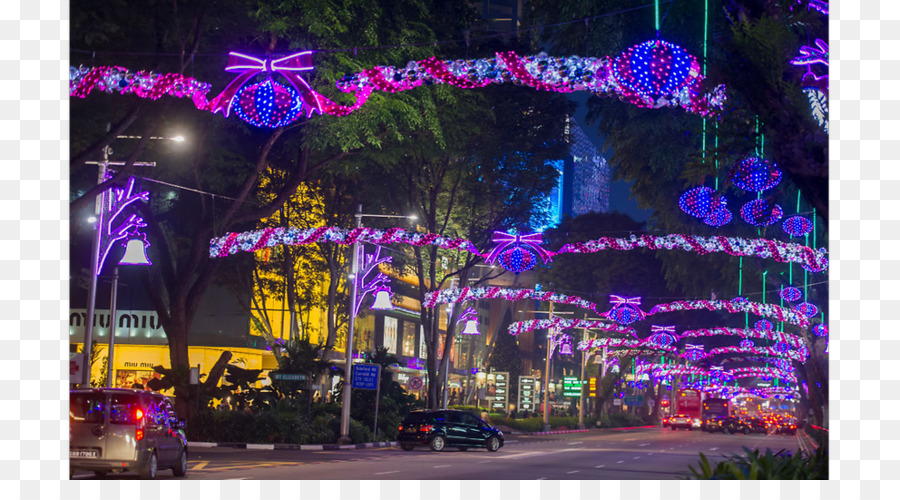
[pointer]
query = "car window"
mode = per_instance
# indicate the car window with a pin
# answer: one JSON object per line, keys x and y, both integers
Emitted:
{"x": 454, "y": 417}
{"x": 416, "y": 417}
{"x": 123, "y": 408}
{"x": 87, "y": 408}
{"x": 470, "y": 420}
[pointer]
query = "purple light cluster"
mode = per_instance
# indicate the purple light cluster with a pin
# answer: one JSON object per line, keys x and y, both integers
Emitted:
{"x": 761, "y": 213}
{"x": 755, "y": 174}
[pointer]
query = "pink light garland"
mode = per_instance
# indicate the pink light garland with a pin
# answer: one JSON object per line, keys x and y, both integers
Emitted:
{"x": 792, "y": 340}
{"x": 770, "y": 310}
{"x": 454, "y": 295}
{"x": 566, "y": 323}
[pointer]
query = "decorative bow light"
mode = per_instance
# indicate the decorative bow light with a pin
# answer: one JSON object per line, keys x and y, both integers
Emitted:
{"x": 693, "y": 352}
{"x": 516, "y": 253}
{"x": 268, "y": 103}
{"x": 662, "y": 335}
{"x": 470, "y": 316}
{"x": 624, "y": 310}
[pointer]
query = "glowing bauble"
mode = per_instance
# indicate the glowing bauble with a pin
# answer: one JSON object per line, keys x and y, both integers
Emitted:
{"x": 784, "y": 364}
{"x": 820, "y": 330}
{"x": 755, "y": 174}
{"x": 267, "y": 104}
{"x": 694, "y": 354}
{"x": 738, "y": 301}
{"x": 761, "y": 213}
{"x": 701, "y": 202}
{"x": 763, "y": 325}
{"x": 655, "y": 69}
{"x": 797, "y": 226}
{"x": 718, "y": 217}
{"x": 781, "y": 347}
{"x": 624, "y": 314}
{"x": 806, "y": 309}
{"x": 746, "y": 343}
{"x": 791, "y": 293}
{"x": 662, "y": 338}
{"x": 517, "y": 259}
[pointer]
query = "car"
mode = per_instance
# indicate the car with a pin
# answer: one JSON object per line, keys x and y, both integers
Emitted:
{"x": 756, "y": 424}
{"x": 439, "y": 429}
{"x": 681, "y": 422}
{"x": 735, "y": 425}
{"x": 714, "y": 424}
{"x": 665, "y": 421}
{"x": 786, "y": 426}
{"x": 119, "y": 430}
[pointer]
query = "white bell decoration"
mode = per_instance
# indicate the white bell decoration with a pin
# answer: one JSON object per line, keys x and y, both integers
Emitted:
{"x": 383, "y": 300}
{"x": 136, "y": 252}
{"x": 566, "y": 349}
{"x": 471, "y": 328}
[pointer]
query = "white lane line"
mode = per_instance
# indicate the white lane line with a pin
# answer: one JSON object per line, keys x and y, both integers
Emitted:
{"x": 572, "y": 472}
{"x": 484, "y": 461}
{"x": 440, "y": 466}
{"x": 388, "y": 472}
{"x": 620, "y": 462}
{"x": 239, "y": 478}
{"x": 541, "y": 478}
{"x": 635, "y": 458}
{"x": 599, "y": 466}
{"x": 644, "y": 444}
{"x": 575, "y": 442}
{"x": 713, "y": 449}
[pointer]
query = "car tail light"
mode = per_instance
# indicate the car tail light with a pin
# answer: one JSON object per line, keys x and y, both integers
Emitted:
{"x": 400, "y": 428}
{"x": 138, "y": 434}
{"x": 138, "y": 424}
{"x": 426, "y": 428}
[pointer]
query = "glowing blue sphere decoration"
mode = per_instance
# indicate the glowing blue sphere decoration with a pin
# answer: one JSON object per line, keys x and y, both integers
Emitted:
{"x": 760, "y": 213}
{"x": 737, "y": 301}
{"x": 662, "y": 338}
{"x": 746, "y": 343}
{"x": 694, "y": 354}
{"x": 790, "y": 293}
{"x": 781, "y": 347}
{"x": 624, "y": 314}
{"x": 784, "y": 364}
{"x": 755, "y": 174}
{"x": 517, "y": 259}
{"x": 806, "y": 309}
{"x": 267, "y": 104}
{"x": 700, "y": 202}
{"x": 718, "y": 217}
{"x": 655, "y": 69}
{"x": 797, "y": 226}
{"x": 763, "y": 325}
{"x": 820, "y": 330}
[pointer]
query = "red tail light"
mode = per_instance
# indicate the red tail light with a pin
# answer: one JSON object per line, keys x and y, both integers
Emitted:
{"x": 138, "y": 414}
{"x": 400, "y": 428}
{"x": 139, "y": 434}
{"x": 138, "y": 424}
{"x": 426, "y": 428}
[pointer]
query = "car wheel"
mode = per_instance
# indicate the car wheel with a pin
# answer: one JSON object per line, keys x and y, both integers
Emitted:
{"x": 493, "y": 444}
{"x": 149, "y": 470}
{"x": 180, "y": 468}
{"x": 406, "y": 446}
{"x": 437, "y": 443}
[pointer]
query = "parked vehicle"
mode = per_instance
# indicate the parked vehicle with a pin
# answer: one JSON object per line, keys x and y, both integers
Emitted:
{"x": 439, "y": 429}
{"x": 681, "y": 422}
{"x": 118, "y": 430}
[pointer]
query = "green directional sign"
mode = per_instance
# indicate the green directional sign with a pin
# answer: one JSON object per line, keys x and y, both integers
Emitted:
{"x": 289, "y": 376}
{"x": 571, "y": 387}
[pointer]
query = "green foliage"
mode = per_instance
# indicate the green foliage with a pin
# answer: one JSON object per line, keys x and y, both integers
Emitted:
{"x": 621, "y": 419}
{"x": 282, "y": 423}
{"x": 752, "y": 465}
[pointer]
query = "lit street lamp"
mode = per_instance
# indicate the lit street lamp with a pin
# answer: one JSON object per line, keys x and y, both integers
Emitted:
{"x": 359, "y": 288}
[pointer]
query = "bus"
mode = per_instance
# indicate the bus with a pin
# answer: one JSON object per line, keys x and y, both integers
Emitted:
{"x": 714, "y": 408}
{"x": 688, "y": 403}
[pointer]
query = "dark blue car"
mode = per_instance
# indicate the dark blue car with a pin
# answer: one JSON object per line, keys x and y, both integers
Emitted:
{"x": 439, "y": 429}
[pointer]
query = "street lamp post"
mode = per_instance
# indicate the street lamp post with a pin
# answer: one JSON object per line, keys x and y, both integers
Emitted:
{"x": 355, "y": 302}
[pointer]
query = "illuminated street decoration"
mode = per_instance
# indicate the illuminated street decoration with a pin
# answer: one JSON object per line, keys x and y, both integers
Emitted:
{"x": 761, "y": 213}
{"x": 456, "y": 295}
{"x": 662, "y": 335}
{"x": 795, "y": 354}
{"x": 747, "y": 333}
{"x": 267, "y": 104}
{"x": 718, "y": 217}
{"x": 746, "y": 343}
{"x": 764, "y": 325}
{"x": 812, "y": 260}
{"x": 625, "y": 310}
{"x": 700, "y": 202}
{"x": 517, "y": 253}
{"x": 693, "y": 352}
{"x": 791, "y": 293}
{"x": 366, "y": 282}
{"x": 764, "y": 310}
{"x": 797, "y": 226}
{"x": 820, "y": 330}
{"x": 114, "y": 202}
{"x": 518, "y": 327}
{"x": 755, "y": 174}
{"x": 807, "y": 309}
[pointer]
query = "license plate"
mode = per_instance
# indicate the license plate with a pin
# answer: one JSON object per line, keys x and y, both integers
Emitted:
{"x": 83, "y": 454}
{"x": 411, "y": 430}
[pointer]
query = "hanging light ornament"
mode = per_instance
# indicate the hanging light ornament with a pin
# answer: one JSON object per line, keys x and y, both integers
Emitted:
{"x": 763, "y": 325}
{"x": 781, "y": 347}
{"x": 761, "y": 213}
{"x": 784, "y": 364}
{"x": 517, "y": 253}
{"x": 791, "y": 293}
{"x": 755, "y": 174}
{"x": 746, "y": 344}
{"x": 700, "y": 202}
{"x": 820, "y": 330}
{"x": 694, "y": 352}
{"x": 267, "y": 104}
{"x": 737, "y": 301}
{"x": 566, "y": 347}
{"x": 797, "y": 226}
{"x": 656, "y": 70}
{"x": 806, "y": 309}
{"x": 718, "y": 217}
{"x": 662, "y": 335}
{"x": 624, "y": 310}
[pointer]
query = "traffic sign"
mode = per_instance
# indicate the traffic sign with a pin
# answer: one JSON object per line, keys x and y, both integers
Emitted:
{"x": 289, "y": 376}
{"x": 634, "y": 400}
{"x": 571, "y": 387}
{"x": 416, "y": 383}
{"x": 365, "y": 376}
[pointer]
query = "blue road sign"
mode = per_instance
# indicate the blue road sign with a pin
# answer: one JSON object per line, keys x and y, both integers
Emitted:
{"x": 365, "y": 376}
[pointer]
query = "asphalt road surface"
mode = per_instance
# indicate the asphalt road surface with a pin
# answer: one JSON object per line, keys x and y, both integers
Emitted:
{"x": 636, "y": 454}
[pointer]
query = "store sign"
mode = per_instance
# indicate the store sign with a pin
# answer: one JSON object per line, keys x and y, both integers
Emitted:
{"x": 571, "y": 387}
{"x": 527, "y": 394}
{"x": 592, "y": 387}
{"x": 617, "y": 402}
{"x": 498, "y": 391}
{"x": 76, "y": 362}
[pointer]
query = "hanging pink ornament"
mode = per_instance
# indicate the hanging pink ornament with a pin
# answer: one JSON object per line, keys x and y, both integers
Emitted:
{"x": 791, "y": 293}
{"x": 662, "y": 335}
{"x": 746, "y": 343}
{"x": 624, "y": 310}
{"x": 267, "y": 104}
{"x": 700, "y": 202}
{"x": 755, "y": 174}
{"x": 761, "y": 213}
{"x": 656, "y": 70}
{"x": 806, "y": 309}
{"x": 517, "y": 253}
{"x": 797, "y": 226}
{"x": 820, "y": 330}
{"x": 763, "y": 325}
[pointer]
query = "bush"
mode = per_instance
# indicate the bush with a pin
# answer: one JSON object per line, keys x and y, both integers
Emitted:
{"x": 620, "y": 419}
{"x": 781, "y": 465}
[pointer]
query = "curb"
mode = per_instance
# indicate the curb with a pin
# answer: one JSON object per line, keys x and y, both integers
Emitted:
{"x": 281, "y": 446}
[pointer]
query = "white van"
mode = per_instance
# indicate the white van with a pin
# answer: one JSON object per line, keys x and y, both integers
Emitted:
{"x": 118, "y": 430}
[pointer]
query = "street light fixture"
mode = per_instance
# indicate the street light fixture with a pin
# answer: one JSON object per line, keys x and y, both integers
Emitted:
{"x": 374, "y": 286}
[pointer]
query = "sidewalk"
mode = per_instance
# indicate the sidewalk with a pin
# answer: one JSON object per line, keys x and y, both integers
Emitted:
{"x": 380, "y": 444}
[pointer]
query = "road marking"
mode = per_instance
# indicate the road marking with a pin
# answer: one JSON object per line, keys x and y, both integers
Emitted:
{"x": 200, "y": 466}
{"x": 713, "y": 449}
{"x": 572, "y": 472}
{"x": 440, "y": 466}
{"x": 388, "y": 472}
{"x": 575, "y": 442}
{"x": 644, "y": 444}
{"x": 599, "y": 466}
{"x": 620, "y": 462}
{"x": 541, "y": 478}
{"x": 240, "y": 478}
{"x": 635, "y": 458}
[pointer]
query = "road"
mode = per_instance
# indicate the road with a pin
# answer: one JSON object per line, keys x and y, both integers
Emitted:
{"x": 637, "y": 454}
